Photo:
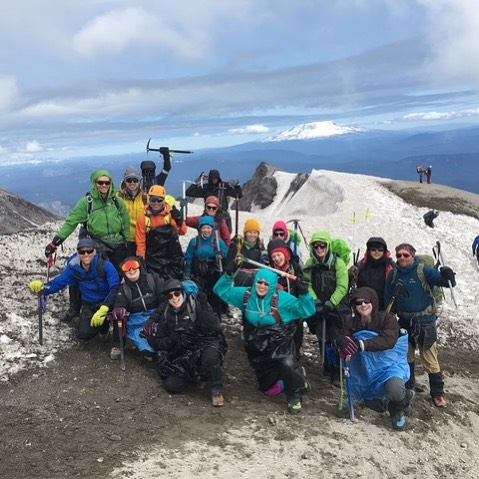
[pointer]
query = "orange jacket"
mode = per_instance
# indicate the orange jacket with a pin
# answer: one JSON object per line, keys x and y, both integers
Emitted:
{"x": 146, "y": 221}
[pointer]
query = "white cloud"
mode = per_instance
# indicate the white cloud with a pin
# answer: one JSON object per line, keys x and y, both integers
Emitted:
{"x": 33, "y": 147}
{"x": 250, "y": 129}
{"x": 8, "y": 92}
{"x": 436, "y": 115}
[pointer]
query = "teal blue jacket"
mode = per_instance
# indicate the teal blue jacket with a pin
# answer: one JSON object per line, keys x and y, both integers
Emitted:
{"x": 258, "y": 310}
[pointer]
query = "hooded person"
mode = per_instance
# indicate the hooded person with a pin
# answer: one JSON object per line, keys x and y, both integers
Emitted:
{"x": 105, "y": 219}
{"x": 213, "y": 209}
{"x": 370, "y": 341}
{"x": 204, "y": 260}
{"x": 374, "y": 267}
{"x": 329, "y": 279}
{"x": 269, "y": 319}
{"x": 216, "y": 186}
{"x": 156, "y": 235}
{"x": 293, "y": 240}
{"x": 191, "y": 346}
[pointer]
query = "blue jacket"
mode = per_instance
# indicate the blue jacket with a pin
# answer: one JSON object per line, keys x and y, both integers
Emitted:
{"x": 475, "y": 245}
{"x": 97, "y": 285}
{"x": 369, "y": 370}
{"x": 418, "y": 299}
{"x": 206, "y": 249}
{"x": 258, "y": 310}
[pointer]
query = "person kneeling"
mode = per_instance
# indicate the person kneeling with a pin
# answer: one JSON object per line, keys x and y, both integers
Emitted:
{"x": 377, "y": 356}
{"x": 191, "y": 346}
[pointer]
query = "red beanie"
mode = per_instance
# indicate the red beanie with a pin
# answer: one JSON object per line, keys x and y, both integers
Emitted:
{"x": 281, "y": 249}
{"x": 407, "y": 247}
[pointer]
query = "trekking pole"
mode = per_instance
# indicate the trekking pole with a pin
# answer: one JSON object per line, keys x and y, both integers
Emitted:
{"x": 50, "y": 262}
{"x": 323, "y": 341}
{"x": 184, "y": 207}
{"x": 435, "y": 252}
{"x": 122, "y": 345}
{"x": 218, "y": 252}
{"x": 165, "y": 150}
{"x": 41, "y": 310}
{"x": 300, "y": 230}
{"x": 290, "y": 276}
{"x": 237, "y": 215}
{"x": 347, "y": 379}
{"x": 441, "y": 259}
{"x": 295, "y": 251}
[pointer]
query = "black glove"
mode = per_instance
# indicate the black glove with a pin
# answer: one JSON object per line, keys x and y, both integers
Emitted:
{"x": 149, "y": 327}
{"x": 176, "y": 215}
{"x": 326, "y": 308}
{"x": 231, "y": 268}
{"x": 52, "y": 247}
{"x": 347, "y": 346}
{"x": 165, "y": 153}
{"x": 302, "y": 286}
{"x": 447, "y": 273}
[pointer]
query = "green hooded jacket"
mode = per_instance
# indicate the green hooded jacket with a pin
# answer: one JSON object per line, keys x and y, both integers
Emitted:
{"x": 105, "y": 221}
{"x": 341, "y": 278}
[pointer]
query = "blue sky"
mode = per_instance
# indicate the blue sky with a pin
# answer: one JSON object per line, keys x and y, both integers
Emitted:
{"x": 102, "y": 77}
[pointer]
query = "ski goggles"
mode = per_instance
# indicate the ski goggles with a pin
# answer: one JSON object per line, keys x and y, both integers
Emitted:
{"x": 320, "y": 245}
{"x": 359, "y": 302}
{"x": 129, "y": 265}
{"x": 174, "y": 294}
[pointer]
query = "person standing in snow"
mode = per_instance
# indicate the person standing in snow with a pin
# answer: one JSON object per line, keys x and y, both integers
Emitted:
{"x": 191, "y": 346}
{"x": 212, "y": 208}
{"x": 156, "y": 236}
{"x": 374, "y": 268}
{"x": 417, "y": 313}
{"x": 370, "y": 340}
{"x": 281, "y": 258}
{"x": 97, "y": 281}
{"x": 269, "y": 318}
{"x": 105, "y": 220}
{"x": 137, "y": 297}
{"x": 215, "y": 186}
{"x": 204, "y": 260}
{"x": 250, "y": 246}
{"x": 329, "y": 280}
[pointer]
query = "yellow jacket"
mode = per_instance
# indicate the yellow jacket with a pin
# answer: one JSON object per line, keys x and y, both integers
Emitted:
{"x": 135, "y": 206}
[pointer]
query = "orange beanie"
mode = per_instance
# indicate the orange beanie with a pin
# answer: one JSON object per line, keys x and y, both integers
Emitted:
{"x": 251, "y": 225}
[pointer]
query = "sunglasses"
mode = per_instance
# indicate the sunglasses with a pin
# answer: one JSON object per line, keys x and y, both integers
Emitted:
{"x": 129, "y": 265}
{"x": 157, "y": 199}
{"x": 403, "y": 255}
{"x": 377, "y": 249}
{"x": 212, "y": 208}
{"x": 132, "y": 180}
{"x": 320, "y": 245}
{"x": 278, "y": 233}
{"x": 359, "y": 302}
{"x": 103, "y": 183}
{"x": 85, "y": 251}
{"x": 174, "y": 294}
{"x": 263, "y": 282}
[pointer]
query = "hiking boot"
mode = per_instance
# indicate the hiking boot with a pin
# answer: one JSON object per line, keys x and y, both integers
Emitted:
{"x": 115, "y": 353}
{"x": 217, "y": 400}
{"x": 439, "y": 401}
{"x": 294, "y": 406}
{"x": 409, "y": 399}
{"x": 70, "y": 315}
{"x": 399, "y": 422}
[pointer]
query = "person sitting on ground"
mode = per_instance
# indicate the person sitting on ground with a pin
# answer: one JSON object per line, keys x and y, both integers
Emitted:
{"x": 215, "y": 186}
{"x": 156, "y": 236}
{"x": 204, "y": 261}
{"x": 105, "y": 219}
{"x": 378, "y": 365}
{"x": 374, "y": 267}
{"x": 429, "y": 217}
{"x": 212, "y": 208}
{"x": 417, "y": 313}
{"x": 97, "y": 281}
{"x": 138, "y": 296}
{"x": 281, "y": 258}
{"x": 191, "y": 346}
{"x": 250, "y": 246}
{"x": 269, "y": 322}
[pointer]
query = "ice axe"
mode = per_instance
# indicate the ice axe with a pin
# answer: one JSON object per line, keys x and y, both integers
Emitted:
{"x": 284, "y": 274}
{"x": 164, "y": 150}
{"x": 441, "y": 259}
{"x": 296, "y": 224}
{"x": 399, "y": 291}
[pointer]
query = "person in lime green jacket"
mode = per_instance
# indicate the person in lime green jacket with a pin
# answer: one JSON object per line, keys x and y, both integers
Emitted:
{"x": 329, "y": 278}
{"x": 105, "y": 220}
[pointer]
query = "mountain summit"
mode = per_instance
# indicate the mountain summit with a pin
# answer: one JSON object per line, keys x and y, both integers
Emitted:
{"x": 314, "y": 130}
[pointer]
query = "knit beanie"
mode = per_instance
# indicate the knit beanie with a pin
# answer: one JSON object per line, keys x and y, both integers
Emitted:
{"x": 406, "y": 246}
{"x": 251, "y": 225}
{"x": 212, "y": 200}
{"x": 132, "y": 172}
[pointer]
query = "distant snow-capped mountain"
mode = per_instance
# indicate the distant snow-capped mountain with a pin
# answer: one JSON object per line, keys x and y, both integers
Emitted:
{"x": 311, "y": 131}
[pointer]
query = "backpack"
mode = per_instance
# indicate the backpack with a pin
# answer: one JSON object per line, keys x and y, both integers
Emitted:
{"x": 127, "y": 288}
{"x": 436, "y": 292}
{"x": 341, "y": 249}
{"x": 273, "y": 303}
{"x": 89, "y": 208}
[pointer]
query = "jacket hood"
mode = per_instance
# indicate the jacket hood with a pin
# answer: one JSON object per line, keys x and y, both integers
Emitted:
{"x": 206, "y": 220}
{"x": 270, "y": 277}
{"x": 366, "y": 293}
{"x": 324, "y": 237}
{"x": 94, "y": 176}
{"x": 281, "y": 225}
{"x": 214, "y": 174}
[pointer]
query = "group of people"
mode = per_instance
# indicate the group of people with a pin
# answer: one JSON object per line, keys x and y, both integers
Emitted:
{"x": 170, "y": 304}
{"x": 421, "y": 170}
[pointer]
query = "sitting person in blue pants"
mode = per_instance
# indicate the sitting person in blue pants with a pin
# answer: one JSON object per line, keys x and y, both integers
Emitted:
{"x": 136, "y": 299}
{"x": 376, "y": 353}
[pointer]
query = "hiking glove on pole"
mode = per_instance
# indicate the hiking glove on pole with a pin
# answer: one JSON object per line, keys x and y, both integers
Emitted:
{"x": 36, "y": 286}
{"x": 302, "y": 286}
{"x": 448, "y": 274}
{"x": 99, "y": 317}
{"x": 52, "y": 247}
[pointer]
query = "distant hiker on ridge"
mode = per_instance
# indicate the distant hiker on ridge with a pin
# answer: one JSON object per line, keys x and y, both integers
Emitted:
{"x": 420, "y": 170}
{"x": 428, "y": 174}
{"x": 215, "y": 186}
